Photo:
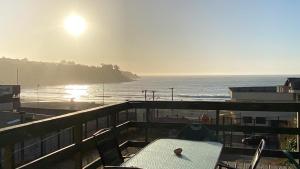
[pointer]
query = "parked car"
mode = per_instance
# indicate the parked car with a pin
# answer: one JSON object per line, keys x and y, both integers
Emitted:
{"x": 254, "y": 139}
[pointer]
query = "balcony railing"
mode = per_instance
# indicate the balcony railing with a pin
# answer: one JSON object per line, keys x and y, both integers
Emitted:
{"x": 142, "y": 116}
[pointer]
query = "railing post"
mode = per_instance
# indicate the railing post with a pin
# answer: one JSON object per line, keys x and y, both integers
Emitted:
{"x": 8, "y": 157}
{"x": 107, "y": 121}
{"x": 97, "y": 123}
{"x": 224, "y": 136}
{"x": 117, "y": 117}
{"x": 22, "y": 151}
{"x": 147, "y": 124}
{"x": 254, "y": 124}
{"x": 42, "y": 146}
{"x": 58, "y": 139}
{"x": 135, "y": 114}
{"x": 217, "y": 123}
{"x": 78, "y": 140}
{"x": 85, "y": 129}
{"x": 230, "y": 131}
{"x": 298, "y": 136}
{"x": 127, "y": 115}
{"x": 113, "y": 118}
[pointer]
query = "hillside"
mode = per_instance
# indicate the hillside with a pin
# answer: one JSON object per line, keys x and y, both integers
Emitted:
{"x": 46, "y": 73}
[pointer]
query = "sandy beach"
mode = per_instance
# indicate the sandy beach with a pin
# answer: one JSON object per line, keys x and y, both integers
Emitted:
{"x": 61, "y": 105}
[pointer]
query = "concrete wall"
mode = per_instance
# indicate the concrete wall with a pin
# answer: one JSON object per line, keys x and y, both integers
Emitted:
{"x": 285, "y": 116}
{"x": 263, "y": 97}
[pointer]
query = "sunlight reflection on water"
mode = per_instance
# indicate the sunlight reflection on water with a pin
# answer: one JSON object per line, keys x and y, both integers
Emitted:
{"x": 75, "y": 92}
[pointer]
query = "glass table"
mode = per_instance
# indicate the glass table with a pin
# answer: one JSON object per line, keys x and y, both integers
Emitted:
{"x": 160, "y": 155}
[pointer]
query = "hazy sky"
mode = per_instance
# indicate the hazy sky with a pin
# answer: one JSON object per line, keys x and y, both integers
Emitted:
{"x": 159, "y": 36}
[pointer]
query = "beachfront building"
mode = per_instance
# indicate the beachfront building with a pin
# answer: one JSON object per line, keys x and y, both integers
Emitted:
{"x": 9, "y": 104}
{"x": 289, "y": 92}
{"x": 292, "y": 86}
{"x": 9, "y": 96}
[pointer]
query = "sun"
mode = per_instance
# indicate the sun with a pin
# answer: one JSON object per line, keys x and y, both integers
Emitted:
{"x": 75, "y": 25}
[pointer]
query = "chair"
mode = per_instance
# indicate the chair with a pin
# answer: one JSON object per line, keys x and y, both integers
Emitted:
{"x": 291, "y": 159}
{"x": 255, "y": 158}
{"x": 108, "y": 147}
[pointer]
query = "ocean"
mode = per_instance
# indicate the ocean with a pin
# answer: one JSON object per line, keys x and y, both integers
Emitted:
{"x": 186, "y": 88}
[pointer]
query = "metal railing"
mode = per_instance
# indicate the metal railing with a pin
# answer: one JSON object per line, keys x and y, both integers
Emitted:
{"x": 81, "y": 143}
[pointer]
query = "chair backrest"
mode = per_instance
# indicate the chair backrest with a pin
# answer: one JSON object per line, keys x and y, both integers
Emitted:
{"x": 291, "y": 159}
{"x": 108, "y": 148}
{"x": 257, "y": 154}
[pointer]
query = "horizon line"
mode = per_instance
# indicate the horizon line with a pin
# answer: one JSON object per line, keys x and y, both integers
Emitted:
{"x": 219, "y": 74}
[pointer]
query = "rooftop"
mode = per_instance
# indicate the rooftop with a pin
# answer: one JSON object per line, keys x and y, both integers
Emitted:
{"x": 294, "y": 83}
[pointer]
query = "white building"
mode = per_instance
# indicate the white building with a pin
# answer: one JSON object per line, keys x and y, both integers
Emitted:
{"x": 289, "y": 92}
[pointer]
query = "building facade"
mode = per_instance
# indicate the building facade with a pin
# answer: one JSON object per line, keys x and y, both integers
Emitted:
{"x": 288, "y": 92}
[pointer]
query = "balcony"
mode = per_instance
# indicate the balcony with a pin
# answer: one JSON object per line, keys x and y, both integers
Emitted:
{"x": 66, "y": 140}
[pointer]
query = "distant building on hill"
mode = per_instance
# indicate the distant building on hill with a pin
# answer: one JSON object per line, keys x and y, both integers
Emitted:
{"x": 289, "y": 92}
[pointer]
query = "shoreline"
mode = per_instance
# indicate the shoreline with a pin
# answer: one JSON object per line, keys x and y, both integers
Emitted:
{"x": 64, "y": 105}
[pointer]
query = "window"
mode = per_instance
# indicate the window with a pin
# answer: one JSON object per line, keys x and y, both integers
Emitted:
{"x": 247, "y": 119}
{"x": 260, "y": 120}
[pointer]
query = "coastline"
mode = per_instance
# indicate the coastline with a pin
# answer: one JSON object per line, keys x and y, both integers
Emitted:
{"x": 63, "y": 105}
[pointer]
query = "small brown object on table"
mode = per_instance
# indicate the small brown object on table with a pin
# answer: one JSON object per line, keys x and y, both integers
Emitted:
{"x": 178, "y": 151}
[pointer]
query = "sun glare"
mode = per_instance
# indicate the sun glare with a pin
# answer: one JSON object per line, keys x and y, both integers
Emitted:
{"x": 75, "y": 25}
{"x": 75, "y": 92}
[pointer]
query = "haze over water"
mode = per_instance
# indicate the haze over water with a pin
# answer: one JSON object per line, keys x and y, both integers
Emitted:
{"x": 187, "y": 88}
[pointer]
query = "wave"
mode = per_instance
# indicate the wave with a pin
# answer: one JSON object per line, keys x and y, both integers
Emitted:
{"x": 105, "y": 96}
{"x": 204, "y": 96}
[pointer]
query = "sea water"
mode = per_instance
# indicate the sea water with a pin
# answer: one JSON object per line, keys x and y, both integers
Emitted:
{"x": 186, "y": 88}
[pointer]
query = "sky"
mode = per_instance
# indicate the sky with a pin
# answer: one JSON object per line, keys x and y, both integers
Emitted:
{"x": 158, "y": 37}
